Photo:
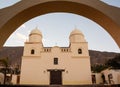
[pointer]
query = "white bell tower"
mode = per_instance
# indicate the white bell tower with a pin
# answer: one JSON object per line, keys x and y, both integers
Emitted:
{"x": 78, "y": 44}
{"x": 34, "y": 45}
{"x": 35, "y": 36}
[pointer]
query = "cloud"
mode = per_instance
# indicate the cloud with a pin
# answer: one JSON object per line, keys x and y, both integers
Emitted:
{"x": 21, "y": 36}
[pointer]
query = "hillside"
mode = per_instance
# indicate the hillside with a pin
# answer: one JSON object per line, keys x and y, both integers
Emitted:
{"x": 101, "y": 57}
{"x": 15, "y": 53}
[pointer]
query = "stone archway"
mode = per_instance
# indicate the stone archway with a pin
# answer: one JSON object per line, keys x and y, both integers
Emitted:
{"x": 106, "y": 16}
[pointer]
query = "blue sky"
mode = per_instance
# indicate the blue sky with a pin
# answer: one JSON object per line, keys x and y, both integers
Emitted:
{"x": 56, "y": 28}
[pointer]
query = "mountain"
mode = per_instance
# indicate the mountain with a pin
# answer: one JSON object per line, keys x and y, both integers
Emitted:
{"x": 100, "y": 57}
{"x": 15, "y": 53}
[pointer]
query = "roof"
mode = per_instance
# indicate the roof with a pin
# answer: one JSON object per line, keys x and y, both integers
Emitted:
{"x": 36, "y": 31}
{"x": 76, "y": 32}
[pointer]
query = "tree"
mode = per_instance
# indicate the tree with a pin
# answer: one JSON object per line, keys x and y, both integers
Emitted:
{"x": 5, "y": 63}
{"x": 114, "y": 63}
{"x": 96, "y": 68}
{"x": 111, "y": 64}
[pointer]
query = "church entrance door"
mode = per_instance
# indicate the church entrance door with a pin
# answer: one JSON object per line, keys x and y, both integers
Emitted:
{"x": 55, "y": 77}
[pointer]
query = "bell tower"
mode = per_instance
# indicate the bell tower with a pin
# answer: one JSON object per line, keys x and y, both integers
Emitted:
{"x": 35, "y": 36}
{"x": 78, "y": 44}
{"x": 34, "y": 45}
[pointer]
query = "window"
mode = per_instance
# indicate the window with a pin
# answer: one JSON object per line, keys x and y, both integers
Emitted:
{"x": 55, "y": 61}
{"x": 32, "y": 51}
{"x": 110, "y": 76}
{"x": 79, "y": 51}
{"x": 93, "y": 79}
{"x": 44, "y": 50}
{"x": 67, "y": 50}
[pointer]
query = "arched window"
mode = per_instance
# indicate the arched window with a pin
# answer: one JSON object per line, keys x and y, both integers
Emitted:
{"x": 55, "y": 61}
{"x": 79, "y": 51}
{"x": 32, "y": 51}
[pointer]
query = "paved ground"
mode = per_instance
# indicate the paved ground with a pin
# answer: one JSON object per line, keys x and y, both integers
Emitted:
{"x": 118, "y": 85}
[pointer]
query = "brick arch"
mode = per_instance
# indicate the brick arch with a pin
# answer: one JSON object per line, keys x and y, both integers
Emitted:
{"x": 14, "y": 16}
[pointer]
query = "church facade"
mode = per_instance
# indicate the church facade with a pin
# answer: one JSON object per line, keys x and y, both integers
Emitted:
{"x": 56, "y": 65}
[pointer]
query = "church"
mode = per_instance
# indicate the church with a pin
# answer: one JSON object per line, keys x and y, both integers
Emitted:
{"x": 55, "y": 65}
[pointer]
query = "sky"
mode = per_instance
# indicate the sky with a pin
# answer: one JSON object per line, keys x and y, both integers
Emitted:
{"x": 56, "y": 28}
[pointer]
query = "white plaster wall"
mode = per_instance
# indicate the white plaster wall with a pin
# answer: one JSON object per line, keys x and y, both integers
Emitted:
{"x": 115, "y": 74}
{"x": 77, "y": 38}
{"x": 98, "y": 78}
{"x": 76, "y": 46}
{"x": 118, "y": 77}
{"x": 1, "y": 78}
{"x": 35, "y": 38}
{"x": 14, "y": 79}
{"x": 28, "y": 47}
{"x": 34, "y": 69}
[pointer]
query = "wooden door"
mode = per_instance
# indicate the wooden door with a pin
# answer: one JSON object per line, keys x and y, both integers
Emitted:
{"x": 56, "y": 77}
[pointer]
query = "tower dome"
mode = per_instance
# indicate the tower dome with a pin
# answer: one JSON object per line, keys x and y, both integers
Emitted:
{"x": 35, "y": 31}
{"x": 35, "y": 36}
{"x": 76, "y": 32}
{"x": 76, "y": 36}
